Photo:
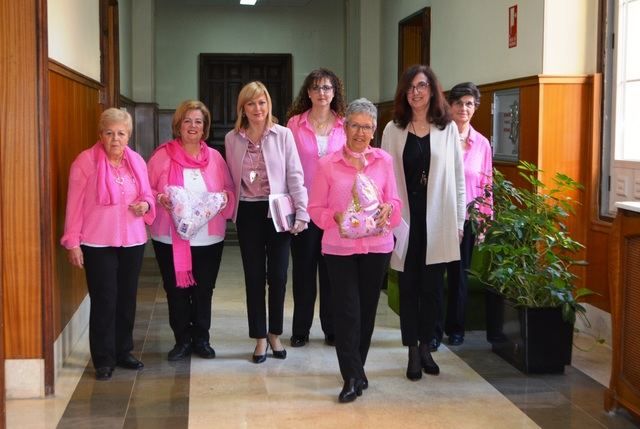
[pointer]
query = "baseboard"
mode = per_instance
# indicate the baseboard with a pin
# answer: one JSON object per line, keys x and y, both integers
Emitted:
{"x": 68, "y": 339}
{"x": 599, "y": 325}
{"x": 24, "y": 378}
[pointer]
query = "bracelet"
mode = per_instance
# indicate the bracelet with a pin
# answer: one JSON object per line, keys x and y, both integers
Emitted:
{"x": 160, "y": 194}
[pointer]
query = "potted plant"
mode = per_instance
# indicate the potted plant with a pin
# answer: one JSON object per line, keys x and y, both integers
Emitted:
{"x": 532, "y": 301}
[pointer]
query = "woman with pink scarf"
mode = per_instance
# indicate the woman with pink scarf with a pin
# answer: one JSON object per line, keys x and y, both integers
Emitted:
{"x": 108, "y": 203}
{"x": 189, "y": 267}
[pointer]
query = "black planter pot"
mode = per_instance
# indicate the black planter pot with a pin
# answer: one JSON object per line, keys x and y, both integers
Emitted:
{"x": 534, "y": 340}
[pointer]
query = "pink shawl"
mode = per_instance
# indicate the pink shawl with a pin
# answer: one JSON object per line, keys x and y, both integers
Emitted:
{"x": 108, "y": 189}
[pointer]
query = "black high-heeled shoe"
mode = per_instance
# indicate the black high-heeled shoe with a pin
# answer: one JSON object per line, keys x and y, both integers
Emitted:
{"x": 414, "y": 367}
{"x": 428, "y": 364}
{"x": 350, "y": 391}
{"x": 278, "y": 354}
{"x": 260, "y": 358}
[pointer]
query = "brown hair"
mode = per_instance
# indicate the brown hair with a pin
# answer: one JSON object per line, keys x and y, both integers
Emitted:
{"x": 438, "y": 112}
{"x": 247, "y": 93}
{"x": 181, "y": 112}
{"x": 302, "y": 103}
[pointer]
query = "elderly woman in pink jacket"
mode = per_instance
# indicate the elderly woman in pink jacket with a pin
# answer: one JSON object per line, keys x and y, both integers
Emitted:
{"x": 316, "y": 119}
{"x": 108, "y": 203}
{"x": 346, "y": 182}
{"x": 263, "y": 161}
{"x": 189, "y": 267}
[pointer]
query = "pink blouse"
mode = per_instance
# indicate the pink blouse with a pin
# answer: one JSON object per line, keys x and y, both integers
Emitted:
{"x": 331, "y": 192}
{"x": 478, "y": 167}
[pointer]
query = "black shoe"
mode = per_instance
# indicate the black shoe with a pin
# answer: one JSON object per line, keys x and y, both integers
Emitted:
{"x": 434, "y": 345}
{"x": 456, "y": 339}
{"x": 104, "y": 373}
{"x": 204, "y": 350}
{"x": 414, "y": 367}
{"x": 129, "y": 362}
{"x": 299, "y": 340}
{"x": 330, "y": 339}
{"x": 278, "y": 354}
{"x": 179, "y": 352}
{"x": 350, "y": 391}
{"x": 364, "y": 383}
{"x": 260, "y": 358}
{"x": 428, "y": 364}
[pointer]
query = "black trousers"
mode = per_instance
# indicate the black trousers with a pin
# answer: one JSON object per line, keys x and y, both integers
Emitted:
{"x": 265, "y": 259}
{"x": 357, "y": 280}
{"x": 190, "y": 308}
{"x": 419, "y": 284}
{"x": 457, "y": 284}
{"x": 112, "y": 278}
{"x": 307, "y": 261}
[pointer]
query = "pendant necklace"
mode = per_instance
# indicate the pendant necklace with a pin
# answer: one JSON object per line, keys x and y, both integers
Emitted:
{"x": 253, "y": 173}
{"x": 423, "y": 175}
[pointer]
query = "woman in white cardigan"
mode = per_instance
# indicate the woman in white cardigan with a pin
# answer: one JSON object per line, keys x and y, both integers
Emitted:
{"x": 428, "y": 164}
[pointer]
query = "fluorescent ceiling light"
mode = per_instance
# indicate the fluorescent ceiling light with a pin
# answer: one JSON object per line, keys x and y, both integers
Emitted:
{"x": 248, "y": 2}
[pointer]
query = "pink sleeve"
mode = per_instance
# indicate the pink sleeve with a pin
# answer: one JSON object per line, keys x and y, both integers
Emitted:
{"x": 74, "y": 217}
{"x": 295, "y": 178}
{"x": 155, "y": 170}
{"x": 487, "y": 176}
{"x": 391, "y": 194}
{"x": 227, "y": 212}
{"x": 319, "y": 210}
{"x": 148, "y": 196}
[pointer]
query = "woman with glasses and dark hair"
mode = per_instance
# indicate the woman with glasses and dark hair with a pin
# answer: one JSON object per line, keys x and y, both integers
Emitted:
{"x": 316, "y": 121}
{"x": 423, "y": 142}
{"x": 263, "y": 160}
{"x": 464, "y": 98}
{"x": 356, "y": 245}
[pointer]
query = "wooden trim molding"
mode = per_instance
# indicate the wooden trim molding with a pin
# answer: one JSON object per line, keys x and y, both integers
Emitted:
{"x": 69, "y": 73}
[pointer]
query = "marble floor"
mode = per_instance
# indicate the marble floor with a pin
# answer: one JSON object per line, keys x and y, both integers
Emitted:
{"x": 476, "y": 388}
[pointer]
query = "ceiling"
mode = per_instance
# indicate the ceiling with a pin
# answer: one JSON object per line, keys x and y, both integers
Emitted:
{"x": 266, "y": 3}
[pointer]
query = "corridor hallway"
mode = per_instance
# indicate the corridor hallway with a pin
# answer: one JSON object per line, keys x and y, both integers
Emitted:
{"x": 301, "y": 391}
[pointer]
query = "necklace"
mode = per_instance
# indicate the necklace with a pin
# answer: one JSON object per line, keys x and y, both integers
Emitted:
{"x": 253, "y": 173}
{"x": 321, "y": 127}
{"x": 195, "y": 173}
{"x": 423, "y": 174}
{"x": 118, "y": 179}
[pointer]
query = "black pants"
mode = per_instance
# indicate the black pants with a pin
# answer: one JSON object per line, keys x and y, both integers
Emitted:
{"x": 457, "y": 284}
{"x": 307, "y": 261}
{"x": 112, "y": 278}
{"x": 265, "y": 259}
{"x": 419, "y": 284}
{"x": 190, "y": 308}
{"x": 357, "y": 280}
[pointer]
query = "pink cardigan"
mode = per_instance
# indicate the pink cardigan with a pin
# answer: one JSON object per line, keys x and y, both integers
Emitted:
{"x": 283, "y": 165}
{"x": 307, "y": 144}
{"x": 331, "y": 192}
{"x": 116, "y": 225}
{"x": 221, "y": 180}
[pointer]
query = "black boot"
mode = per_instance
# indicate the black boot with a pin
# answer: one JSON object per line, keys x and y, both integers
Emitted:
{"x": 350, "y": 391}
{"x": 414, "y": 367}
{"x": 428, "y": 364}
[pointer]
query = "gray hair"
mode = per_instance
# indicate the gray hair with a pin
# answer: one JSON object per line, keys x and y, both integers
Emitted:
{"x": 362, "y": 105}
{"x": 115, "y": 116}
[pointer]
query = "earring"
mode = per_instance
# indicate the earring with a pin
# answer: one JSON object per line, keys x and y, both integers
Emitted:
{"x": 244, "y": 115}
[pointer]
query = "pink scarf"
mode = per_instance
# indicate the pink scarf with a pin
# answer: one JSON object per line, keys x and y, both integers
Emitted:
{"x": 359, "y": 155}
{"x": 182, "y": 248}
{"x": 108, "y": 189}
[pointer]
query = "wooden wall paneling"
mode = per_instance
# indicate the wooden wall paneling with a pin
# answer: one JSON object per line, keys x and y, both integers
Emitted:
{"x": 146, "y": 128}
{"x": 20, "y": 214}
{"x": 385, "y": 114}
{"x": 74, "y": 111}
{"x": 130, "y": 106}
{"x": 165, "y": 116}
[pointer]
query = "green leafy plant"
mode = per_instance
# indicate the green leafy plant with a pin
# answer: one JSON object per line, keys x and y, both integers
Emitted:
{"x": 526, "y": 245}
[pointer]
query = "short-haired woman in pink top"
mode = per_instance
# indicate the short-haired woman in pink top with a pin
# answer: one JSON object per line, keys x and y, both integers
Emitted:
{"x": 108, "y": 203}
{"x": 316, "y": 119}
{"x": 356, "y": 266}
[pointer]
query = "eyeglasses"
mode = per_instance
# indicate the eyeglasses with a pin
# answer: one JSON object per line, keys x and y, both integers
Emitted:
{"x": 364, "y": 128}
{"x": 420, "y": 87}
{"x": 323, "y": 88}
{"x": 468, "y": 104}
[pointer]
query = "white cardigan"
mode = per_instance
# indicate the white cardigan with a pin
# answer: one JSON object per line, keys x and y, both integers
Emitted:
{"x": 445, "y": 191}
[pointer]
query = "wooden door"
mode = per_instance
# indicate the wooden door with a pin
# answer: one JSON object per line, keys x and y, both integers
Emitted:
{"x": 223, "y": 75}
{"x": 414, "y": 38}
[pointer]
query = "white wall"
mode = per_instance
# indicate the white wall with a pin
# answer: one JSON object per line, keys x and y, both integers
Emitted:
{"x": 570, "y": 36}
{"x": 74, "y": 35}
{"x": 143, "y": 51}
{"x": 313, "y": 34}
{"x": 125, "y": 44}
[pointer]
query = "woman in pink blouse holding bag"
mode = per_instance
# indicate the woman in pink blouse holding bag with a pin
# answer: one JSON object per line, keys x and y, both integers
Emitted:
{"x": 189, "y": 266}
{"x": 316, "y": 120}
{"x": 108, "y": 203}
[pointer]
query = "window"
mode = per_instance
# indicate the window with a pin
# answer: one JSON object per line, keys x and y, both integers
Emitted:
{"x": 624, "y": 72}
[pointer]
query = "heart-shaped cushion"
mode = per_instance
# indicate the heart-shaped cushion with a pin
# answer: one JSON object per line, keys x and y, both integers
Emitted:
{"x": 359, "y": 218}
{"x": 191, "y": 211}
